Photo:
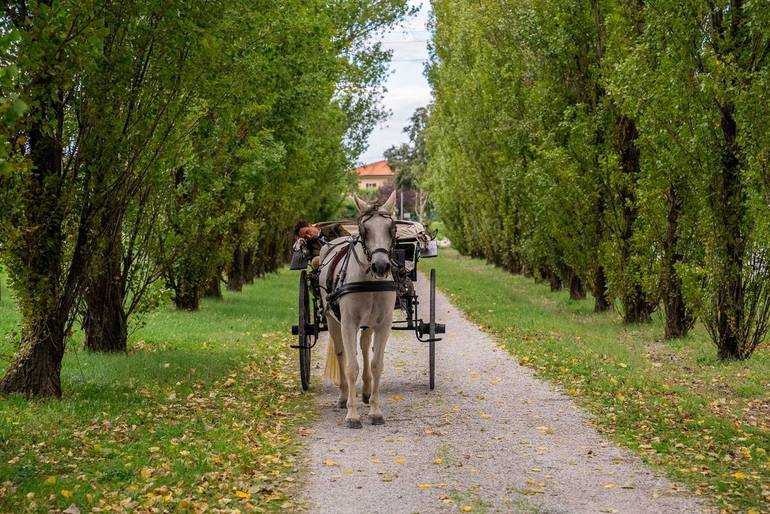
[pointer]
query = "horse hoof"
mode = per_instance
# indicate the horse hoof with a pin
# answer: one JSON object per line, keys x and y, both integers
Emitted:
{"x": 377, "y": 420}
{"x": 365, "y": 398}
{"x": 353, "y": 423}
{"x": 342, "y": 404}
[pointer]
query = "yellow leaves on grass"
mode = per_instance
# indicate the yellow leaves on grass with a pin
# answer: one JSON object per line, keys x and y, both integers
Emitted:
{"x": 145, "y": 473}
{"x": 739, "y": 475}
{"x": 66, "y": 493}
{"x": 242, "y": 494}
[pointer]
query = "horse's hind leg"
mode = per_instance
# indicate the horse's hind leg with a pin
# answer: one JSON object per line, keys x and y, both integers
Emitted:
{"x": 335, "y": 332}
{"x": 381, "y": 336}
{"x": 366, "y": 345}
{"x": 349, "y": 333}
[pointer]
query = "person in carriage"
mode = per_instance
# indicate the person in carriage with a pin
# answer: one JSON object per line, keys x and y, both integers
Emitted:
{"x": 314, "y": 237}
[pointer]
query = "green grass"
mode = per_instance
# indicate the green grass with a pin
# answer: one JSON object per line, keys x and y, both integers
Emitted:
{"x": 9, "y": 318}
{"x": 705, "y": 422}
{"x": 201, "y": 414}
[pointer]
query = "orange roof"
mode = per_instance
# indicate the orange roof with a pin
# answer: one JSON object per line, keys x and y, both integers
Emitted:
{"x": 379, "y": 168}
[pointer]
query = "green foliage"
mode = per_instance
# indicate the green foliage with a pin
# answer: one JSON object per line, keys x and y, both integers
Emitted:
{"x": 143, "y": 140}
{"x": 622, "y": 143}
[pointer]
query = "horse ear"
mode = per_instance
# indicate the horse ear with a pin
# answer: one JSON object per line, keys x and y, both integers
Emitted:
{"x": 360, "y": 204}
{"x": 390, "y": 205}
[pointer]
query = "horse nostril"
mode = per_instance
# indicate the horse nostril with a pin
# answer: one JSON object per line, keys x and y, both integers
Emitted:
{"x": 381, "y": 268}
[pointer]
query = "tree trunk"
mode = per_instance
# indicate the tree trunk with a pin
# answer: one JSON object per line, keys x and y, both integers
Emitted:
{"x": 187, "y": 298}
{"x": 36, "y": 368}
{"x": 635, "y": 306}
{"x": 634, "y": 301}
{"x": 679, "y": 319}
{"x": 729, "y": 207}
{"x": 554, "y": 281}
{"x": 235, "y": 275}
{"x": 601, "y": 300}
{"x": 106, "y": 323}
{"x": 577, "y": 290}
{"x": 249, "y": 266}
{"x": 214, "y": 289}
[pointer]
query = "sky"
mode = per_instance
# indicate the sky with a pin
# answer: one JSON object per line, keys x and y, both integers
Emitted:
{"x": 407, "y": 87}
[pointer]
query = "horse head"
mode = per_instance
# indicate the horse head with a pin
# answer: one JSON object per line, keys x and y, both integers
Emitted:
{"x": 377, "y": 230}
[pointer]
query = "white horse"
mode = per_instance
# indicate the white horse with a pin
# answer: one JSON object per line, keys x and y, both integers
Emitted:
{"x": 361, "y": 263}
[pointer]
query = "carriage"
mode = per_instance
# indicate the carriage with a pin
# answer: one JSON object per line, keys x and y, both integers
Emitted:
{"x": 412, "y": 243}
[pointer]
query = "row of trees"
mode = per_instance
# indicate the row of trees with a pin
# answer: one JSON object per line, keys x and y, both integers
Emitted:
{"x": 148, "y": 145}
{"x": 619, "y": 146}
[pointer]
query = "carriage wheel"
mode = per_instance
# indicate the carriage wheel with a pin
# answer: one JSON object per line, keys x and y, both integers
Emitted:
{"x": 303, "y": 335}
{"x": 432, "y": 330}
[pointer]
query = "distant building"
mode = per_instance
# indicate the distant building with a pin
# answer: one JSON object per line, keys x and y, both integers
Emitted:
{"x": 375, "y": 175}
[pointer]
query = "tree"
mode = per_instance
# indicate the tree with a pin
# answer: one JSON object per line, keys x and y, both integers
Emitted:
{"x": 120, "y": 97}
{"x": 410, "y": 160}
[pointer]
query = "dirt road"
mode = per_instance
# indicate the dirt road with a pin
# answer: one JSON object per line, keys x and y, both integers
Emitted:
{"x": 490, "y": 438}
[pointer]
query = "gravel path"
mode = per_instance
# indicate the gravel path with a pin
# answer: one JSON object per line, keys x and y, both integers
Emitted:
{"x": 490, "y": 438}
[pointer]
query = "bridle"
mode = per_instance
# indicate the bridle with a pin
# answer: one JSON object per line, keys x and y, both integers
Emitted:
{"x": 336, "y": 282}
{"x": 363, "y": 220}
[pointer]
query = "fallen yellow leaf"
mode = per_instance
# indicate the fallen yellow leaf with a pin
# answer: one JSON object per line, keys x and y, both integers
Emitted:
{"x": 424, "y": 486}
{"x": 242, "y": 494}
{"x": 466, "y": 508}
{"x": 438, "y": 461}
{"x": 145, "y": 473}
{"x": 66, "y": 493}
{"x": 739, "y": 475}
{"x": 484, "y": 415}
{"x": 329, "y": 462}
{"x": 400, "y": 460}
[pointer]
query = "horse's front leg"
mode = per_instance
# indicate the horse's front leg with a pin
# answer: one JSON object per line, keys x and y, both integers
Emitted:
{"x": 366, "y": 345}
{"x": 381, "y": 336}
{"x": 349, "y": 333}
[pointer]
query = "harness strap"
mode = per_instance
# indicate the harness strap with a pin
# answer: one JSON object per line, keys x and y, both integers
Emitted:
{"x": 375, "y": 286}
{"x": 333, "y": 268}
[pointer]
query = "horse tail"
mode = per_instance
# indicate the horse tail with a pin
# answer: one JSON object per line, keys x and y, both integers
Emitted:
{"x": 332, "y": 369}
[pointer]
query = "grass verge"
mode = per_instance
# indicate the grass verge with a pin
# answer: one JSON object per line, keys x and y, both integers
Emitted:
{"x": 705, "y": 422}
{"x": 202, "y": 415}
